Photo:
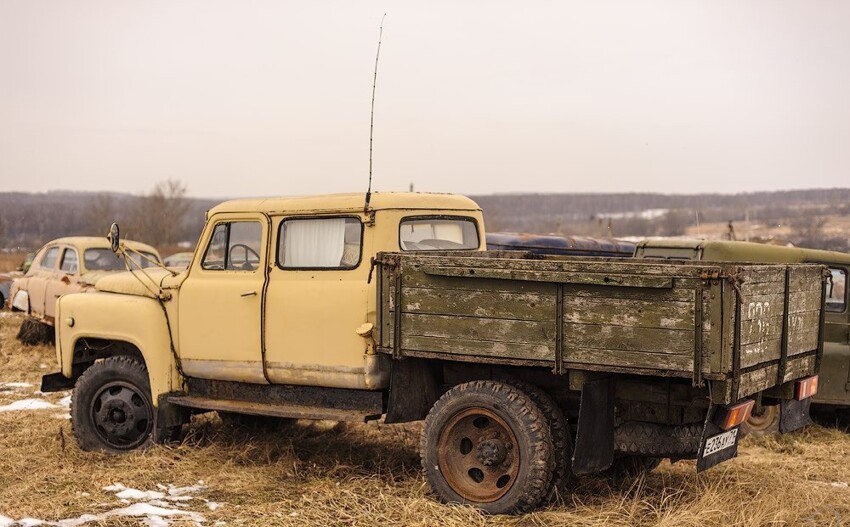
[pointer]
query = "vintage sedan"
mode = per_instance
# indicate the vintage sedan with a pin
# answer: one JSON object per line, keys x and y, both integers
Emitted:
{"x": 71, "y": 265}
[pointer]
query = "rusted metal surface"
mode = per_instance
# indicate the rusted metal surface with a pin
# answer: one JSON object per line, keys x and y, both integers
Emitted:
{"x": 479, "y": 455}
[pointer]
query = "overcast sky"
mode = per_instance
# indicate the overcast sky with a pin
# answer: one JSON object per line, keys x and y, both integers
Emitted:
{"x": 242, "y": 98}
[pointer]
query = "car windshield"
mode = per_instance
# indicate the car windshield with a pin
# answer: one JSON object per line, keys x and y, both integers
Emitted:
{"x": 106, "y": 260}
{"x": 438, "y": 234}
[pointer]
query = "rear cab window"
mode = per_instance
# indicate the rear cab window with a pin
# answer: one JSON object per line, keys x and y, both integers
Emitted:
{"x": 836, "y": 302}
{"x": 320, "y": 243}
{"x": 438, "y": 233}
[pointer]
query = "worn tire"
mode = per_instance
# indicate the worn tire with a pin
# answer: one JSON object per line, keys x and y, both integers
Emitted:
{"x": 766, "y": 423}
{"x": 497, "y": 410}
{"x": 33, "y": 333}
{"x": 655, "y": 440}
{"x": 111, "y": 407}
{"x": 562, "y": 442}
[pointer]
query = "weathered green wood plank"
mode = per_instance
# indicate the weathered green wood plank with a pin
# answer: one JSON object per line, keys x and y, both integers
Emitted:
{"x": 639, "y": 360}
{"x": 566, "y": 277}
{"x": 479, "y": 348}
{"x": 634, "y": 339}
{"x": 629, "y": 313}
{"x": 416, "y": 278}
{"x": 482, "y": 304}
{"x": 471, "y": 328}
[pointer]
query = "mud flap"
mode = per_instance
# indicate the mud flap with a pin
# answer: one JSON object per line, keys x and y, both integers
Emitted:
{"x": 56, "y": 382}
{"x": 794, "y": 414}
{"x": 414, "y": 388}
{"x": 594, "y": 448}
{"x": 716, "y": 445}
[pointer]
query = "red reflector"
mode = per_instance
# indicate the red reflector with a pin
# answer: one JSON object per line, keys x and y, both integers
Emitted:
{"x": 737, "y": 414}
{"x": 806, "y": 388}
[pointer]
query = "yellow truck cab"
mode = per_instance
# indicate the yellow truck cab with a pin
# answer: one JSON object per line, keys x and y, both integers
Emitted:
{"x": 526, "y": 368}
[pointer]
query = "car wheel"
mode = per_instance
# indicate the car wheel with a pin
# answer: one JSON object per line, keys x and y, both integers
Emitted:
{"x": 111, "y": 407}
{"x": 487, "y": 444}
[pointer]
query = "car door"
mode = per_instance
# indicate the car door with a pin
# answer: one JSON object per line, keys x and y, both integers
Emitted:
{"x": 834, "y": 385}
{"x": 64, "y": 280}
{"x": 43, "y": 271}
{"x": 317, "y": 298}
{"x": 221, "y": 301}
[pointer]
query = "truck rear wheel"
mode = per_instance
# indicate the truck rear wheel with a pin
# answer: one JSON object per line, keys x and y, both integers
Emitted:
{"x": 764, "y": 423}
{"x": 488, "y": 444}
{"x": 562, "y": 443}
{"x": 111, "y": 407}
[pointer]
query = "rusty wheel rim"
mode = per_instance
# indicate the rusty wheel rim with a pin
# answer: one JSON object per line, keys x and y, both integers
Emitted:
{"x": 764, "y": 420}
{"x": 479, "y": 455}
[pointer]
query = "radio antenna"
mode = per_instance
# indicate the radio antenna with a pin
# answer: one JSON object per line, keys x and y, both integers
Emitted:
{"x": 372, "y": 113}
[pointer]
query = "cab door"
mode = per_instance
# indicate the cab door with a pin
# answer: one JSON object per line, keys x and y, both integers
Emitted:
{"x": 834, "y": 385}
{"x": 43, "y": 272}
{"x": 65, "y": 280}
{"x": 317, "y": 298}
{"x": 220, "y": 304}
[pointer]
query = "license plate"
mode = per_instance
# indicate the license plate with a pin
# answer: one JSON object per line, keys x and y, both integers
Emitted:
{"x": 720, "y": 442}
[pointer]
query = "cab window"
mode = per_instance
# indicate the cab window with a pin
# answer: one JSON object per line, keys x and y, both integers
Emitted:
{"x": 837, "y": 300}
{"x": 234, "y": 246}
{"x": 48, "y": 261}
{"x": 320, "y": 243}
{"x": 69, "y": 264}
{"x": 438, "y": 233}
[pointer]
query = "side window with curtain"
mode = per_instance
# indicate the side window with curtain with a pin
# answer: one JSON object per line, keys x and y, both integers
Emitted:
{"x": 234, "y": 246}
{"x": 836, "y": 301}
{"x": 323, "y": 243}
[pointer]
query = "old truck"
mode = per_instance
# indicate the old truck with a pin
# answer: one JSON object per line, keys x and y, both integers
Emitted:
{"x": 833, "y": 395}
{"x": 525, "y": 368}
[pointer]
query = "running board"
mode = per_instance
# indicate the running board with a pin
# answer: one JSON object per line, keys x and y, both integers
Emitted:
{"x": 275, "y": 410}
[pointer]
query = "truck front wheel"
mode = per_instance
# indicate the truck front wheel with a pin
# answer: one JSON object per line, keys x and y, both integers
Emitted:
{"x": 488, "y": 444}
{"x": 111, "y": 407}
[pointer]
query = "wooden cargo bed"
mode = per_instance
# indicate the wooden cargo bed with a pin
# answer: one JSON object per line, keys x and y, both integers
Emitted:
{"x": 746, "y": 327}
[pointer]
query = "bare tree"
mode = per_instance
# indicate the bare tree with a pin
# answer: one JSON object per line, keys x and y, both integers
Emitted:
{"x": 158, "y": 217}
{"x": 99, "y": 213}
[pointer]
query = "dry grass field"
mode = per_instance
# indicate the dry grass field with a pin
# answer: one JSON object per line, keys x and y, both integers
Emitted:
{"x": 331, "y": 474}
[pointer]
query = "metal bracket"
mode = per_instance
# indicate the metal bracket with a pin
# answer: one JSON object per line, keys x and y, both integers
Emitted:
{"x": 783, "y": 357}
{"x": 559, "y": 330}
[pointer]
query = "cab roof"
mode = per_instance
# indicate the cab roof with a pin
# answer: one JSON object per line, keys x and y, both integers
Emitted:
{"x": 351, "y": 202}
{"x": 724, "y": 250}
{"x": 99, "y": 242}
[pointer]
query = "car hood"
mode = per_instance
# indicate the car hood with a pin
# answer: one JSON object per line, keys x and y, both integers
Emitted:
{"x": 140, "y": 283}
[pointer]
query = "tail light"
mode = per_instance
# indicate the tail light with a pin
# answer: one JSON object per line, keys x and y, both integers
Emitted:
{"x": 736, "y": 414}
{"x": 806, "y": 388}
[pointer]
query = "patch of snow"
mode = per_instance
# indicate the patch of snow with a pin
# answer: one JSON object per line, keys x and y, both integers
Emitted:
{"x": 43, "y": 366}
{"x": 840, "y": 484}
{"x": 65, "y": 401}
{"x": 140, "y": 495}
{"x": 211, "y": 505}
{"x": 30, "y": 522}
{"x": 28, "y": 404}
{"x": 65, "y": 415}
{"x": 181, "y": 491}
{"x": 6, "y": 521}
{"x": 15, "y": 385}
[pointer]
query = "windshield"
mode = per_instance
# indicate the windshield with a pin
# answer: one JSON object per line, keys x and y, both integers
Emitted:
{"x": 438, "y": 234}
{"x": 106, "y": 260}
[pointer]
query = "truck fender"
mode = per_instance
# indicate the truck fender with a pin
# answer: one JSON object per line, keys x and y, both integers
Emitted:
{"x": 134, "y": 320}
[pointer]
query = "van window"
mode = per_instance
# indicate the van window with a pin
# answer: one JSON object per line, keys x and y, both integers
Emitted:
{"x": 443, "y": 233}
{"x": 321, "y": 243}
{"x": 837, "y": 300}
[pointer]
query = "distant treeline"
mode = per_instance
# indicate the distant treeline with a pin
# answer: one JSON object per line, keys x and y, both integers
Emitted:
{"x": 165, "y": 216}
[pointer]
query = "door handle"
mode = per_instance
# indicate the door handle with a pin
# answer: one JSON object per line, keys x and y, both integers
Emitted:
{"x": 249, "y": 293}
